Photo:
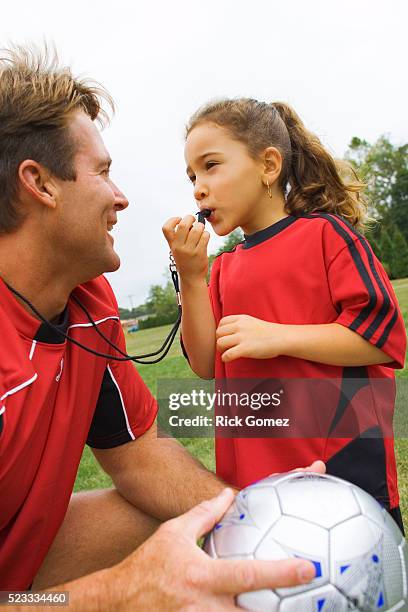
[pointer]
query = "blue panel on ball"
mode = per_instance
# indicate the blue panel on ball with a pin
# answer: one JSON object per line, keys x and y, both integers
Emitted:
{"x": 320, "y": 604}
{"x": 318, "y": 567}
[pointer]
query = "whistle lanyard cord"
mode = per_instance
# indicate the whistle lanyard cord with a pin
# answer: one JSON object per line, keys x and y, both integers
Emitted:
{"x": 125, "y": 357}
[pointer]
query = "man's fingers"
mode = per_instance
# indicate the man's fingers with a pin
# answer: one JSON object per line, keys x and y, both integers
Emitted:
{"x": 239, "y": 576}
{"x": 201, "y": 519}
{"x": 317, "y": 466}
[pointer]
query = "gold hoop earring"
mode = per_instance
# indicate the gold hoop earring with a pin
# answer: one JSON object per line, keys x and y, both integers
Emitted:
{"x": 269, "y": 188}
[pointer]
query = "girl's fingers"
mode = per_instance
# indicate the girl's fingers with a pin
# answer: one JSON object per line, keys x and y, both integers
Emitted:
{"x": 225, "y": 330}
{"x": 194, "y": 235}
{"x": 233, "y": 353}
{"x": 226, "y": 342}
{"x": 184, "y": 228}
{"x": 169, "y": 228}
{"x": 228, "y": 320}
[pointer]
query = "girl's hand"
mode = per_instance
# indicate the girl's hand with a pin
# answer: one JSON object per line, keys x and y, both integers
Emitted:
{"x": 245, "y": 336}
{"x": 188, "y": 242}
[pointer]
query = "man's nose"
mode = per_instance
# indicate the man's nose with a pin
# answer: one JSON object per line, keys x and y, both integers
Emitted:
{"x": 121, "y": 201}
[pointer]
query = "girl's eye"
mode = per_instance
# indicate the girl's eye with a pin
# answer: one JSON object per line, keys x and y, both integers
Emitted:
{"x": 210, "y": 164}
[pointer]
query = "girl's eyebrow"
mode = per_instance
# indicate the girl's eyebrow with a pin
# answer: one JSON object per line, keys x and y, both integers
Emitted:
{"x": 200, "y": 157}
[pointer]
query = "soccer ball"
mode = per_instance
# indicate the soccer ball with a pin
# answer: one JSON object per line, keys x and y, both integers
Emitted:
{"x": 358, "y": 551}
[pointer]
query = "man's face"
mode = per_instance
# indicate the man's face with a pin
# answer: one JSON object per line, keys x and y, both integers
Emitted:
{"x": 87, "y": 207}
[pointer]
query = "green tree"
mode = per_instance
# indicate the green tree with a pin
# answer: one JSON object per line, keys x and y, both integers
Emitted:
{"x": 374, "y": 240}
{"x": 387, "y": 251}
{"x": 400, "y": 260}
{"x": 162, "y": 301}
{"x": 124, "y": 313}
{"x": 384, "y": 168}
{"x": 231, "y": 241}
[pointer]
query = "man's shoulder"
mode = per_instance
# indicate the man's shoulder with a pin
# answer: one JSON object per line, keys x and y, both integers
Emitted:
{"x": 16, "y": 369}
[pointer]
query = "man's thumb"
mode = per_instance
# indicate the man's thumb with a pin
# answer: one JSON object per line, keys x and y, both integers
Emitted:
{"x": 202, "y": 518}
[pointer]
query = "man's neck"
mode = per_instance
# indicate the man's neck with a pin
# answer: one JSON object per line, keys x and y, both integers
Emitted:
{"x": 34, "y": 275}
{"x": 50, "y": 304}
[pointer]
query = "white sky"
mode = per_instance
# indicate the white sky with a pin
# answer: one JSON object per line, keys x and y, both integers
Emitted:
{"x": 342, "y": 64}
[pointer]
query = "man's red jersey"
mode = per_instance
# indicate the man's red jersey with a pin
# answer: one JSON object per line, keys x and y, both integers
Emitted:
{"x": 55, "y": 398}
{"x": 313, "y": 269}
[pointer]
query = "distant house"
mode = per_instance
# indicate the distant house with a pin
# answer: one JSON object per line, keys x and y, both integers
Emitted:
{"x": 132, "y": 325}
{"x": 127, "y": 324}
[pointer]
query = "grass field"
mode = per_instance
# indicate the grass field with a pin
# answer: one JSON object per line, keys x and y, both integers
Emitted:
{"x": 90, "y": 476}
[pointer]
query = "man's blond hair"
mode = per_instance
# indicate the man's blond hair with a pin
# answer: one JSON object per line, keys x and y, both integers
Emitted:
{"x": 37, "y": 95}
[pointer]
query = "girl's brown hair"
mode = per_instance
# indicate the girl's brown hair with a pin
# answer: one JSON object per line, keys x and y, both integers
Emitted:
{"x": 312, "y": 179}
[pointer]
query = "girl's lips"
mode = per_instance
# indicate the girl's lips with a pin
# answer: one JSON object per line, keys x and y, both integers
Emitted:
{"x": 205, "y": 214}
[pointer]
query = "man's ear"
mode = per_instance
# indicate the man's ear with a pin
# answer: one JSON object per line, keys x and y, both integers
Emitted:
{"x": 272, "y": 162}
{"x": 37, "y": 182}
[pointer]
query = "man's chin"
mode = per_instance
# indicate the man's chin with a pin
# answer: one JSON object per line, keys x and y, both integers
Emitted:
{"x": 114, "y": 263}
{"x": 111, "y": 263}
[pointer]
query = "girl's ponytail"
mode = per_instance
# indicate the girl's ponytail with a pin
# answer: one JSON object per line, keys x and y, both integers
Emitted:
{"x": 317, "y": 181}
{"x": 311, "y": 179}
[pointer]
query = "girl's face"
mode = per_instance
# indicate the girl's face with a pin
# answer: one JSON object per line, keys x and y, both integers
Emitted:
{"x": 226, "y": 180}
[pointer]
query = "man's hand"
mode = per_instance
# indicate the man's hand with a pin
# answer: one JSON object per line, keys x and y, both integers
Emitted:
{"x": 170, "y": 572}
{"x": 245, "y": 336}
{"x": 317, "y": 466}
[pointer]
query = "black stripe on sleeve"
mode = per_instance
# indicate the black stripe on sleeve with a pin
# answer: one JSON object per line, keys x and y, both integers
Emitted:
{"x": 382, "y": 313}
{"x": 384, "y": 337}
{"x": 366, "y": 311}
{"x": 108, "y": 428}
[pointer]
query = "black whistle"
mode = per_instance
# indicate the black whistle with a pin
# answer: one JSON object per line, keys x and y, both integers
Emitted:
{"x": 203, "y": 214}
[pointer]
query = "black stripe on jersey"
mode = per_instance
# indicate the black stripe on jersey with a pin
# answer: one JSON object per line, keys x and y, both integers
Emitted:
{"x": 1, "y": 423}
{"x": 363, "y": 462}
{"x": 366, "y": 311}
{"x": 354, "y": 379}
{"x": 108, "y": 428}
{"x": 382, "y": 340}
{"x": 382, "y": 313}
